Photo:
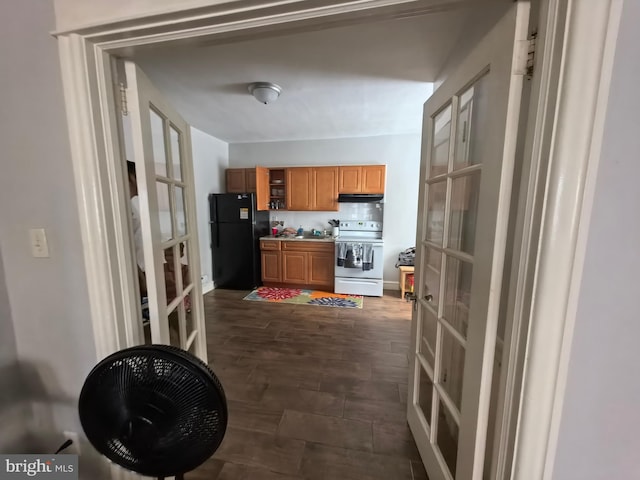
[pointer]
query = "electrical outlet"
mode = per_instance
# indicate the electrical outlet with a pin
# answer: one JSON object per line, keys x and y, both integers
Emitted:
{"x": 74, "y": 448}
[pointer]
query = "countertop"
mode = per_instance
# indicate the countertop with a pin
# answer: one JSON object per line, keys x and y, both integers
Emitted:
{"x": 294, "y": 239}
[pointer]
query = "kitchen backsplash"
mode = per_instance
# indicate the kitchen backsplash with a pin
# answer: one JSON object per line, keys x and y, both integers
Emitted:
{"x": 319, "y": 220}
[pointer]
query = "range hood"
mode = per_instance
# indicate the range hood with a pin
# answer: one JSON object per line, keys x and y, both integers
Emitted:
{"x": 360, "y": 197}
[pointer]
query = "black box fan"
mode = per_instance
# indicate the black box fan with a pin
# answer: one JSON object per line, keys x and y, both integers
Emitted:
{"x": 154, "y": 409}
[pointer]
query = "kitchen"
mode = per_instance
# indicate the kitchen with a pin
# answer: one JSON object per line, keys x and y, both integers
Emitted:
{"x": 347, "y": 99}
{"x": 254, "y": 240}
{"x": 399, "y": 152}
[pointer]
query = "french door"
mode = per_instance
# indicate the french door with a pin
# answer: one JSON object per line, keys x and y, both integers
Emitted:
{"x": 470, "y": 130}
{"x": 161, "y": 147}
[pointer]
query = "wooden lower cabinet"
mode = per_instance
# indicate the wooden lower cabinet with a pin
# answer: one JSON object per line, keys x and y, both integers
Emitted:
{"x": 294, "y": 267}
{"x": 320, "y": 268}
{"x": 298, "y": 264}
{"x": 271, "y": 271}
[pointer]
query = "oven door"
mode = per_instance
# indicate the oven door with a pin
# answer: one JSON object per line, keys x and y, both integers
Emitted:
{"x": 358, "y": 272}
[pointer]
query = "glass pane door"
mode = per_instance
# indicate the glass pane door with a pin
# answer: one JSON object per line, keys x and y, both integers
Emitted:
{"x": 452, "y": 191}
{"x": 169, "y": 234}
{"x": 464, "y": 193}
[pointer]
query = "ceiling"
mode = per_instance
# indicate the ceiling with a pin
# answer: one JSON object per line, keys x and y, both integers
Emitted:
{"x": 353, "y": 81}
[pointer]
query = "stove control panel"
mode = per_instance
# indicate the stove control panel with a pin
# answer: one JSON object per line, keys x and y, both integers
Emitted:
{"x": 361, "y": 225}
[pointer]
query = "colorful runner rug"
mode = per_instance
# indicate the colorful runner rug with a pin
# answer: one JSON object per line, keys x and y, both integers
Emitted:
{"x": 305, "y": 297}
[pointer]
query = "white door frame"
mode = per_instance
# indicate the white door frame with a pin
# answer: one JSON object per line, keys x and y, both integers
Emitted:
{"x": 578, "y": 51}
{"x": 569, "y": 95}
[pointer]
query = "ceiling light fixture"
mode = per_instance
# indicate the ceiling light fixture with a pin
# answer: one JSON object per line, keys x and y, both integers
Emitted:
{"x": 265, "y": 92}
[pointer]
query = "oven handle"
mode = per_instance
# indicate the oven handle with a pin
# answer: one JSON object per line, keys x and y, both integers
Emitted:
{"x": 358, "y": 282}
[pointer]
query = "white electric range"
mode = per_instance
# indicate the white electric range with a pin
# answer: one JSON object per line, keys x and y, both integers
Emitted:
{"x": 359, "y": 260}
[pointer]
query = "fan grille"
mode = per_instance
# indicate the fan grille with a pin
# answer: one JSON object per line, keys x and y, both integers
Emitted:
{"x": 155, "y": 410}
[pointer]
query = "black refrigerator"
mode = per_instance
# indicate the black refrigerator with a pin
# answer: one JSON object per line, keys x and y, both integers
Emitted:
{"x": 236, "y": 228}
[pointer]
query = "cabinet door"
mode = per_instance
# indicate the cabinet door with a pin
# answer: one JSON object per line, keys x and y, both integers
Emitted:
{"x": 294, "y": 267}
{"x": 320, "y": 268}
{"x": 250, "y": 179}
{"x": 350, "y": 179}
{"x": 373, "y": 177}
{"x": 236, "y": 180}
{"x": 325, "y": 188}
{"x": 271, "y": 267}
{"x": 299, "y": 188}
{"x": 262, "y": 188}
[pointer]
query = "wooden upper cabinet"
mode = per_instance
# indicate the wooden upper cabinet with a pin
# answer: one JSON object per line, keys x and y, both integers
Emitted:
{"x": 312, "y": 188}
{"x": 250, "y": 179}
{"x": 236, "y": 180}
{"x": 242, "y": 180}
{"x": 262, "y": 188}
{"x": 361, "y": 179}
{"x": 305, "y": 188}
{"x": 350, "y": 179}
{"x": 325, "y": 189}
{"x": 299, "y": 188}
{"x": 373, "y": 178}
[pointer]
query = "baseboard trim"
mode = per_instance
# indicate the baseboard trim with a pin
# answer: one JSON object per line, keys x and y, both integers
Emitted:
{"x": 207, "y": 287}
{"x": 391, "y": 285}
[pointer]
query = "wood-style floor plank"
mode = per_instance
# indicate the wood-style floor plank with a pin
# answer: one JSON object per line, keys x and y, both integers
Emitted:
{"x": 315, "y": 393}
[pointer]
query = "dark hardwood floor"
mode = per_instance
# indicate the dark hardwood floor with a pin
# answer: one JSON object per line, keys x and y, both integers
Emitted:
{"x": 314, "y": 393}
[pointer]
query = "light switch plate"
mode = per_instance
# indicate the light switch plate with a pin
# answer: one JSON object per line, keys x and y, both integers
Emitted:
{"x": 38, "y": 240}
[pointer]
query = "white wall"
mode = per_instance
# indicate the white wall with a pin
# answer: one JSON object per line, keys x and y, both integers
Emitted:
{"x": 401, "y": 154}
{"x": 12, "y": 417}
{"x": 598, "y": 437}
{"x": 8, "y": 353}
{"x": 48, "y": 296}
{"x": 210, "y": 159}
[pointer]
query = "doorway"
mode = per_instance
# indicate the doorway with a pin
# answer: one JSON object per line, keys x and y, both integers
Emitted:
{"x": 95, "y": 141}
{"x": 475, "y": 96}
{"x": 148, "y": 178}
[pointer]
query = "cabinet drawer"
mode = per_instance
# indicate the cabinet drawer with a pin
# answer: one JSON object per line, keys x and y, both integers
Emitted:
{"x": 310, "y": 246}
{"x": 270, "y": 244}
